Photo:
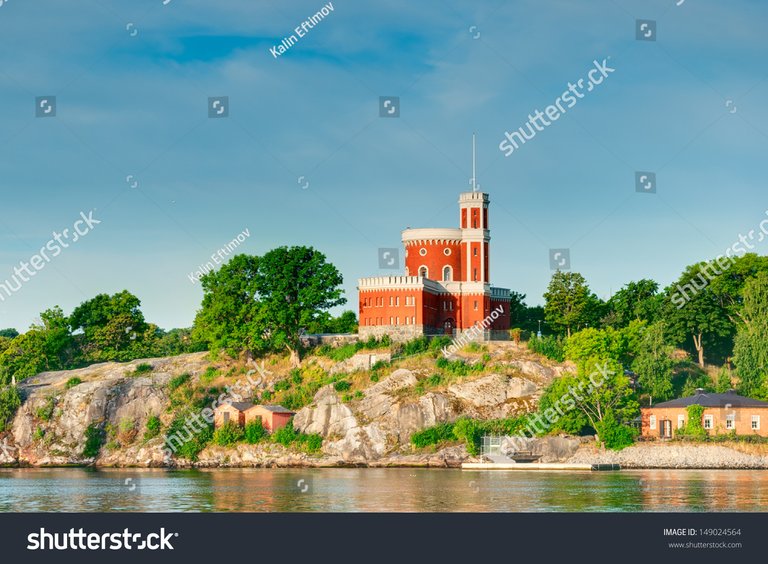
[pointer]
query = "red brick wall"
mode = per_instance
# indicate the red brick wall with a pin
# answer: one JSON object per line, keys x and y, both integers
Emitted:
{"x": 435, "y": 259}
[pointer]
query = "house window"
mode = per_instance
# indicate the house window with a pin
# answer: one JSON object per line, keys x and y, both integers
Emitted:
{"x": 680, "y": 421}
{"x": 447, "y": 274}
{"x": 708, "y": 422}
{"x": 226, "y": 417}
{"x": 755, "y": 422}
{"x": 652, "y": 422}
{"x": 730, "y": 421}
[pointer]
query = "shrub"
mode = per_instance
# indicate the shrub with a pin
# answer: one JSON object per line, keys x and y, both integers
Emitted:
{"x": 694, "y": 428}
{"x": 282, "y": 385}
{"x": 254, "y": 432}
{"x": 613, "y": 434}
{"x": 433, "y": 435}
{"x": 286, "y": 435}
{"x": 72, "y": 382}
{"x": 548, "y": 346}
{"x": 10, "y": 400}
{"x": 94, "y": 439}
{"x": 191, "y": 442}
{"x": 515, "y": 334}
{"x": 459, "y": 367}
{"x": 209, "y": 375}
{"x": 296, "y": 377}
{"x": 153, "y": 427}
{"x": 142, "y": 368}
{"x": 342, "y": 386}
{"x": 45, "y": 412}
{"x": 468, "y": 431}
{"x": 228, "y": 434}
{"x": 374, "y": 377}
{"x": 39, "y": 434}
{"x": 178, "y": 381}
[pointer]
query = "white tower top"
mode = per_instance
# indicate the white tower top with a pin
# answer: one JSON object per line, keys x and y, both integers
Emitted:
{"x": 473, "y": 180}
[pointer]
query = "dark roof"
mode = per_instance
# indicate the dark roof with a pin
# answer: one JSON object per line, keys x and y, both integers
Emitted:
{"x": 241, "y": 405}
{"x": 706, "y": 399}
{"x": 276, "y": 408}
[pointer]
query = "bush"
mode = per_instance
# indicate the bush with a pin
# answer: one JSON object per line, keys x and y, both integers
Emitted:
{"x": 10, "y": 401}
{"x": 433, "y": 435}
{"x": 374, "y": 377}
{"x": 342, "y": 386}
{"x": 613, "y": 434}
{"x": 694, "y": 427}
{"x": 142, "y": 368}
{"x": 72, "y": 382}
{"x": 228, "y": 434}
{"x": 209, "y": 375}
{"x": 255, "y": 432}
{"x": 153, "y": 427}
{"x": 45, "y": 412}
{"x": 94, "y": 439}
{"x": 548, "y": 346}
{"x": 288, "y": 436}
{"x": 468, "y": 431}
{"x": 191, "y": 442}
{"x": 178, "y": 381}
{"x": 459, "y": 367}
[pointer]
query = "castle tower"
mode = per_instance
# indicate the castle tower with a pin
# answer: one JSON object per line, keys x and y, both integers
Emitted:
{"x": 475, "y": 236}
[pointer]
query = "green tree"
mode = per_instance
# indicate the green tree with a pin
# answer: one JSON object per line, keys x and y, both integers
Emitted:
{"x": 295, "y": 285}
{"x": 751, "y": 345}
{"x": 113, "y": 327}
{"x": 261, "y": 303}
{"x": 636, "y": 301}
{"x": 9, "y": 333}
{"x": 701, "y": 317}
{"x": 653, "y": 363}
{"x": 570, "y": 303}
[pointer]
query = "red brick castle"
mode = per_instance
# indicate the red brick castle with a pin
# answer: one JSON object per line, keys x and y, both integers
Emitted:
{"x": 446, "y": 288}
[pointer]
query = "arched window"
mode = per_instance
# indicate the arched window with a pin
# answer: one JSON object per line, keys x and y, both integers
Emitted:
{"x": 447, "y": 273}
{"x": 424, "y": 271}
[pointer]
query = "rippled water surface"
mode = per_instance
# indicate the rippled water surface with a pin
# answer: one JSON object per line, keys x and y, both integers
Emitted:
{"x": 387, "y": 489}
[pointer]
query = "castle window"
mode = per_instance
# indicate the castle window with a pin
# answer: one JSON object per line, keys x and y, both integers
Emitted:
{"x": 474, "y": 251}
{"x": 447, "y": 252}
{"x": 397, "y": 321}
{"x": 397, "y": 301}
{"x": 391, "y": 301}
{"x": 475, "y": 305}
{"x": 423, "y": 252}
{"x": 474, "y": 274}
{"x": 423, "y": 271}
{"x": 447, "y": 275}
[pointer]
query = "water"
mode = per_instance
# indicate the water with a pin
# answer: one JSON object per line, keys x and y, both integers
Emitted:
{"x": 386, "y": 489}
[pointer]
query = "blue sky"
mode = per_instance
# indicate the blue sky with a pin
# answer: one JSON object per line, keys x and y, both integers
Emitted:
{"x": 137, "y": 105}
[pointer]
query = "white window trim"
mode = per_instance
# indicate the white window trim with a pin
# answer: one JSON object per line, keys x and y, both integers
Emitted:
{"x": 652, "y": 422}
{"x": 755, "y": 419}
{"x": 426, "y": 271}
{"x": 450, "y": 273}
{"x": 709, "y": 419}
{"x": 680, "y": 421}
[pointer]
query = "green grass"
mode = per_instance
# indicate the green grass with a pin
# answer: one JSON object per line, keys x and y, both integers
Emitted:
{"x": 72, "y": 382}
{"x": 142, "y": 368}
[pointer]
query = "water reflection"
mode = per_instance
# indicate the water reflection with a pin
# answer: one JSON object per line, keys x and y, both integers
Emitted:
{"x": 380, "y": 489}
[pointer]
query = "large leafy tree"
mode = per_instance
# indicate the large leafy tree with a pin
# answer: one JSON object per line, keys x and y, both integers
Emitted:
{"x": 295, "y": 285}
{"x": 259, "y": 303}
{"x": 113, "y": 327}
{"x": 701, "y": 319}
{"x": 570, "y": 303}
{"x": 231, "y": 315}
{"x": 751, "y": 348}
{"x": 654, "y": 364}
{"x": 636, "y": 301}
{"x": 730, "y": 284}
